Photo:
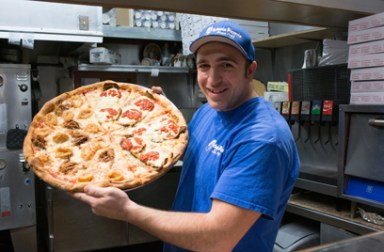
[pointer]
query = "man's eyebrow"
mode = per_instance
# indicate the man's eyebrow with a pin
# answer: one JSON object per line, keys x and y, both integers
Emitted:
{"x": 223, "y": 58}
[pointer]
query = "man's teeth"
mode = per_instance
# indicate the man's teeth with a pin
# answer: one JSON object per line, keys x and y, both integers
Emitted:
{"x": 216, "y": 91}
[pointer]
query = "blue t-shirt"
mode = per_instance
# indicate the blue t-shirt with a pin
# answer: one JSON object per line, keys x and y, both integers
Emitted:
{"x": 246, "y": 157}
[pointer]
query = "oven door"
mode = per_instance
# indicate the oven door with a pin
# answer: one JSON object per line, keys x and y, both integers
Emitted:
{"x": 362, "y": 153}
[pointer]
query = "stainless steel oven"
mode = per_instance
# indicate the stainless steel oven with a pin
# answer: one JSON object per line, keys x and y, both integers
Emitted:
{"x": 17, "y": 190}
{"x": 361, "y": 154}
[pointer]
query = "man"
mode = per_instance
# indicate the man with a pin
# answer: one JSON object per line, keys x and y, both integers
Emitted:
{"x": 239, "y": 167}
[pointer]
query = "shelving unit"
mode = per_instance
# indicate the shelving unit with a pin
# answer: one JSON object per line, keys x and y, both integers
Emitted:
{"x": 297, "y": 37}
{"x": 134, "y": 69}
{"x": 141, "y": 33}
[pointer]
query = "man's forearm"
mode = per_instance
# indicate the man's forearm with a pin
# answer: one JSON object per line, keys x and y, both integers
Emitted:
{"x": 193, "y": 231}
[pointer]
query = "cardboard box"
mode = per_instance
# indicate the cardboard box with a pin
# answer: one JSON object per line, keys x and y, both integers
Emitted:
{"x": 366, "y": 48}
{"x": 376, "y": 98}
{"x": 366, "y": 35}
{"x": 366, "y": 22}
{"x": 373, "y": 73}
{"x": 124, "y": 17}
{"x": 277, "y": 86}
{"x": 101, "y": 55}
{"x": 367, "y": 86}
{"x": 369, "y": 60}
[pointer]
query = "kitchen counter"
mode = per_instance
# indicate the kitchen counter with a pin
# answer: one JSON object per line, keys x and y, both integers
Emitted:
{"x": 330, "y": 210}
{"x": 370, "y": 242}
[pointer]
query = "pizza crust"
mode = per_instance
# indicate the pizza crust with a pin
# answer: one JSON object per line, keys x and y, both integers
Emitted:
{"x": 65, "y": 163}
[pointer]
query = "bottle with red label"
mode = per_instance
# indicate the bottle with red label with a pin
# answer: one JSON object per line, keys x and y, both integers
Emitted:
{"x": 327, "y": 111}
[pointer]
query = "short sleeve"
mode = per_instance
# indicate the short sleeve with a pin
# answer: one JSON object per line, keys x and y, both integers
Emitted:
{"x": 253, "y": 177}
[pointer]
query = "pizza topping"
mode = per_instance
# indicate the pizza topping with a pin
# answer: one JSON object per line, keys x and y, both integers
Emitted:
{"x": 76, "y": 101}
{"x": 88, "y": 151}
{"x": 110, "y": 113}
{"x": 107, "y": 155}
{"x": 61, "y": 108}
{"x": 68, "y": 115}
{"x": 111, "y": 93}
{"x": 139, "y": 131}
{"x": 115, "y": 176}
{"x": 85, "y": 178}
{"x": 145, "y": 104}
{"x": 132, "y": 114}
{"x": 133, "y": 144}
{"x": 92, "y": 128}
{"x": 60, "y": 138}
{"x": 149, "y": 156}
{"x": 63, "y": 152}
{"x": 67, "y": 167}
{"x": 170, "y": 130}
{"x": 85, "y": 113}
{"x": 71, "y": 125}
{"x": 39, "y": 142}
{"x": 43, "y": 132}
{"x": 79, "y": 138}
{"x": 44, "y": 158}
{"x": 51, "y": 119}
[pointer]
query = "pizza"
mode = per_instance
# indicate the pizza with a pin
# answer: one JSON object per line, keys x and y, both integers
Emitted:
{"x": 105, "y": 134}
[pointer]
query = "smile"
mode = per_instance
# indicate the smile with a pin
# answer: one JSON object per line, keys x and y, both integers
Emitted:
{"x": 214, "y": 91}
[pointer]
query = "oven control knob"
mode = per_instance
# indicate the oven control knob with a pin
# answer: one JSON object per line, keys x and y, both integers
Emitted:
{"x": 23, "y": 87}
{"x": 3, "y": 164}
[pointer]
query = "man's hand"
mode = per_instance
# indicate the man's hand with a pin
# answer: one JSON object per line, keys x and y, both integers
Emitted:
{"x": 109, "y": 202}
{"x": 158, "y": 90}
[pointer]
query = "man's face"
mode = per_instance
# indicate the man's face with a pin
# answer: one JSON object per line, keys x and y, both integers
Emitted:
{"x": 221, "y": 74}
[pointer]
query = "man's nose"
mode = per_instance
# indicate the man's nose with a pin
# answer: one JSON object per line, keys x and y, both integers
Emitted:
{"x": 214, "y": 77}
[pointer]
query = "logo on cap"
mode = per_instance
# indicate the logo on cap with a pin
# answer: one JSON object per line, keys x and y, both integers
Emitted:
{"x": 223, "y": 31}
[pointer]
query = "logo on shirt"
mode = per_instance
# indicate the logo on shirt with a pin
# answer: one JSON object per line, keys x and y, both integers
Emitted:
{"x": 215, "y": 148}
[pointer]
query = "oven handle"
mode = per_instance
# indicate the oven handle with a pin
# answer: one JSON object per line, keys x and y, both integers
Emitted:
{"x": 377, "y": 123}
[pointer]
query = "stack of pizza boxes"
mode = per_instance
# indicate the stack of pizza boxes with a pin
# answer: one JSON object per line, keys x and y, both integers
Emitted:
{"x": 366, "y": 59}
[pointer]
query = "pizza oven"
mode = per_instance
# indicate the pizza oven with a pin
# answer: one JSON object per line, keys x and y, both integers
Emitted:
{"x": 17, "y": 190}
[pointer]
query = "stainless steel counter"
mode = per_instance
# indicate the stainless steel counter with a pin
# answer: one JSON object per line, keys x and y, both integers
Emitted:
{"x": 331, "y": 211}
{"x": 372, "y": 242}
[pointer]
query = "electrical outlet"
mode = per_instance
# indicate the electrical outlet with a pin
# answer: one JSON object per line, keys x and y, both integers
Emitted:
{"x": 84, "y": 23}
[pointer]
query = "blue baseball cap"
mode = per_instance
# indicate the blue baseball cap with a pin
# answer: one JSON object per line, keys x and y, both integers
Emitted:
{"x": 226, "y": 32}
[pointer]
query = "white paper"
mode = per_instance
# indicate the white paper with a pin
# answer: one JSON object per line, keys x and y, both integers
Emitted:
{"x": 28, "y": 40}
{"x": 154, "y": 72}
{"x": 14, "y": 38}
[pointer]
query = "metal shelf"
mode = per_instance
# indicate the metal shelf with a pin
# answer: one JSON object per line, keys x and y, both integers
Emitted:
{"x": 297, "y": 37}
{"x": 134, "y": 69}
{"x": 323, "y": 209}
{"x": 141, "y": 33}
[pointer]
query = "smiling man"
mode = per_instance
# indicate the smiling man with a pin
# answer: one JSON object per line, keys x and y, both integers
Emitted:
{"x": 240, "y": 165}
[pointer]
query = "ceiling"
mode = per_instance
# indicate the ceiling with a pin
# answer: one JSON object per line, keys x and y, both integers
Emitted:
{"x": 324, "y": 13}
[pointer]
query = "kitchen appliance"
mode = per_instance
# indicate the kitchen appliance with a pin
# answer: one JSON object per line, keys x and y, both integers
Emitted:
{"x": 361, "y": 154}
{"x": 317, "y": 93}
{"x": 17, "y": 190}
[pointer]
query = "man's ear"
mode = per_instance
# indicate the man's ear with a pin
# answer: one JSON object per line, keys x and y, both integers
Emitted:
{"x": 251, "y": 69}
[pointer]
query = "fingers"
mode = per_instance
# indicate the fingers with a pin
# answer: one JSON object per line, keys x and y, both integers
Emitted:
{"x": 90, "y": 194}
{"x": 83, "y": 197}
{"x": 158, "y": 90}
{"x": 95, "y": 191}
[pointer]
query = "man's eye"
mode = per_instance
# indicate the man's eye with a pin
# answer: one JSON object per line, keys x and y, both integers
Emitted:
{"x": 226, "y": 65}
